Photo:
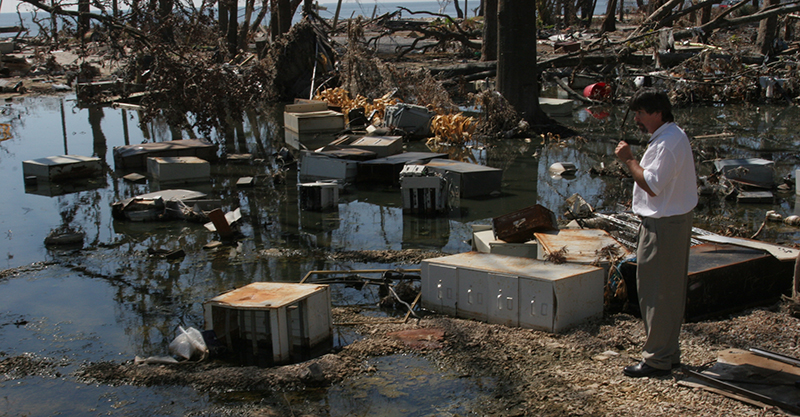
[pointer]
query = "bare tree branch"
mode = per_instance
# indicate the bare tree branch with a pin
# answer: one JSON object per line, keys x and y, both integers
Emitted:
{"x": 107, "y": 20}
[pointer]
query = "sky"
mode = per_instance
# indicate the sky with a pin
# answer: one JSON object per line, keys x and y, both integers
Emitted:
{"x": 10, "y": 6}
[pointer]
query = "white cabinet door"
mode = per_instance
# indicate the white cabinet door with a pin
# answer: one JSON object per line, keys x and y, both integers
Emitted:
{"x": 443, "y": 286}
{"x": 503, "y": 300}
{"x": 472, "y": 294}
{"x": 536, "y": 304}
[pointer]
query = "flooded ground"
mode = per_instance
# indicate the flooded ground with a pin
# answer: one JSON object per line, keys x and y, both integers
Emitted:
{"x": 110, "y": 301}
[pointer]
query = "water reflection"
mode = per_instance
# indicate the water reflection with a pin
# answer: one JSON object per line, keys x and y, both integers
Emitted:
{"x": 145, "y": 299}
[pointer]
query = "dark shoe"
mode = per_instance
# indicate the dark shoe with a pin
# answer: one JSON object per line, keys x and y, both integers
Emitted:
{"x": 642, "y": 369}
{"x": 676, "y": 365}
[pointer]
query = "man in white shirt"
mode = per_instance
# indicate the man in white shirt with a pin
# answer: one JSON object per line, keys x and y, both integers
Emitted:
{"x": 664, "y": 195}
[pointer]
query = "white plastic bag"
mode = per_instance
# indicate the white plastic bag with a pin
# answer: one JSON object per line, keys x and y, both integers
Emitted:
{"x": 189, "y": 345}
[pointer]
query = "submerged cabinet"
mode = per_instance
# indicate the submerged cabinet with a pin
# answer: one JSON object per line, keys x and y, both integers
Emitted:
{"x": 512, "y": 290}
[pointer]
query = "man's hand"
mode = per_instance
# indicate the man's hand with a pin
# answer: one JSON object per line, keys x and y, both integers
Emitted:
{"x": 623, "y": 152}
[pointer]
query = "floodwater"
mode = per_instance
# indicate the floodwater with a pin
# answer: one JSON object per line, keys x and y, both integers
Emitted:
{"x": 109, "y": 301}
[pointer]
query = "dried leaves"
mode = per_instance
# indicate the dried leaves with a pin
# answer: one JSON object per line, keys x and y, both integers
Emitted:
{"x": 340, "y": 97}
{"x": 557, "y": 257}
{"x": 454, "y": 129}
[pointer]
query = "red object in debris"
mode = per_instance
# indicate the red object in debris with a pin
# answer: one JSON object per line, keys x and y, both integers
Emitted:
{"x": 597, "y": 91}
{"x": 599, "y": 114}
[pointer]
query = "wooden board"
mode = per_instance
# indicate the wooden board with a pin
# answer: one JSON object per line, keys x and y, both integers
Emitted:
{"x": 782, "y": 253}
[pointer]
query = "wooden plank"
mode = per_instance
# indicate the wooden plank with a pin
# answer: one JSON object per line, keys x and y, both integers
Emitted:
{"x": 782, "y": 253}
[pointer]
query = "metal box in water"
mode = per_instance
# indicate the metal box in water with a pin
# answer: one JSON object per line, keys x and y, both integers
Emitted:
{"x": 63, "y": 167}
{"x": 135, "y": 156}
{"x": 267, "y": 323}
{"x": 512, "y": 291}
{"x": 316, "y": 166}
{"x": 178, "y": 169}
{"x": 382, "y": 146}
{"x": 318, "y": 196}
{"x": 387, "y": 170}
{"x": 422, "y": 194}
{"x": 468, "y": 180}
{"x": 313, "y": 121}
{"x": 751, "y": 171}
{"x": 413, "y": 119}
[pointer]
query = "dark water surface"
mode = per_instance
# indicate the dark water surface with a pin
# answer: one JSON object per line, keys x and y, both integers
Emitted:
{"x": 111, "y": 302}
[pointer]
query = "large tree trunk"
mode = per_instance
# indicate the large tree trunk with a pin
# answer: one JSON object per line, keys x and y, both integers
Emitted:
{"x": 83, "y": 20}
{"x": 164, "y": 15}
{"x": 281, "y": 19}
{"x": 244, "y": 30}
{"x": 223, "y": 13}
{"x": 489, "y": 45}
{"x": 587, "y": 10}
{"x": 459, "y": 12}
{"x": 517, "y": 72}
{"x": 233, "y": 27}
{"x": 767, "y": 30}
{"x": 610, "y": 22}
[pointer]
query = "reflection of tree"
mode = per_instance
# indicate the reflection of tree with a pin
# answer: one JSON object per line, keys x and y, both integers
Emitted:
{"x": 99, "y": 139}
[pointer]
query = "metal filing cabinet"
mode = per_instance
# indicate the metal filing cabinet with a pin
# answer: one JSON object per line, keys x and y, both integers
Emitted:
{"x": 512, "y": 291}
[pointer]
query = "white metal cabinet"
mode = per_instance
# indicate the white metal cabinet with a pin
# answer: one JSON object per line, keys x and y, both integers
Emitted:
{"x": 518, "y": 291}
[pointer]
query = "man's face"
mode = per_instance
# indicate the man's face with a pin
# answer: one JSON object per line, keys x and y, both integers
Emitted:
{"x": 648, "y": 122}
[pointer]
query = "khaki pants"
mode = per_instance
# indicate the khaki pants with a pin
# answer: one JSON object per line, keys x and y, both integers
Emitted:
{"x": 661, "y": 276}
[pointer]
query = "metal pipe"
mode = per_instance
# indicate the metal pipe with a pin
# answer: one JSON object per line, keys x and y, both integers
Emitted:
{"x": 776, "y": 356}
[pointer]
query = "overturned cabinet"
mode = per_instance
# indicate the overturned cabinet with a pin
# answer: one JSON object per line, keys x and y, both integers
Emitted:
{"x": 268, "y": 323}
{"x": 513, "y": 291}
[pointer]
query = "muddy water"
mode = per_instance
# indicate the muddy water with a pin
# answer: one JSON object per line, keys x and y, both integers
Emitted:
{"x": 109, "y": 301}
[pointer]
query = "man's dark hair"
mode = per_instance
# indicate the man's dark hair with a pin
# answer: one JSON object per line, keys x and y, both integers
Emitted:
{"x": 652, "y": 101}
